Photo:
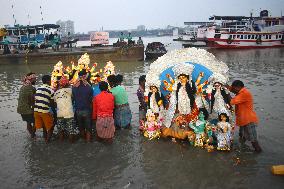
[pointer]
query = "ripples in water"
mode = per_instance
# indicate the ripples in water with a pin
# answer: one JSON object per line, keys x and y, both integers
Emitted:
{"x": 134, "y": 162}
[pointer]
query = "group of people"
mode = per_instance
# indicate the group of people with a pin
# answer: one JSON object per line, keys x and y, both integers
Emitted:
{"x": 78, "y": 109}
{"x": 103, "y": 107}
{"x": 128, "y": 39}
{"x": 191, "y": 112}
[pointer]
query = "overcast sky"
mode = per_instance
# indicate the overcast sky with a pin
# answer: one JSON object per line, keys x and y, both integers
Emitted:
{"x": 127, "y": 14}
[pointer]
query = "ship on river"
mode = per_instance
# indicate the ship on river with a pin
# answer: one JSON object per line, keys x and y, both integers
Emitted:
{"x": 247, "y": 32}
{"x": 262, "y": 31}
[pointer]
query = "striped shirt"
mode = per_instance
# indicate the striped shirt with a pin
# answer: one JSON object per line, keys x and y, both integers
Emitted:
{"x": 44, "y": 94}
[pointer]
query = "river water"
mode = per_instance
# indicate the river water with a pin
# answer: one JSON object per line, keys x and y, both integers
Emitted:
{"x": 134, "y": 162}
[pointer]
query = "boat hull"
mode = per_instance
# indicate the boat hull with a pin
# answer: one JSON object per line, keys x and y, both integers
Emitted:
{"x": 118, "y": 54}
{"x": 153, "y": 55}
{"x": 245, "y": 44}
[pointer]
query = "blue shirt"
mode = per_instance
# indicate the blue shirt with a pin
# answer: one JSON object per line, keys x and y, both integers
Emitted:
{"x": 96, "y": 90}
{"x": 82, "y": 95}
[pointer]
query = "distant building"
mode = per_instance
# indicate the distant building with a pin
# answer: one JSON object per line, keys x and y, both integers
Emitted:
{"x": 141, "y": 28}
{"x": 66, "y": 26}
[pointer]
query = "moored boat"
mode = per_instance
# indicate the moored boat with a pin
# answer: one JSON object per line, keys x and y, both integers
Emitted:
{"x": 154, "y": 50}
{"x": 248, "y": 32}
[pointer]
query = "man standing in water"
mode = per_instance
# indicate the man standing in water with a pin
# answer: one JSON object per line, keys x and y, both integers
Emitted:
{"x": 83, "y": 95}
{"x": 26, "y": 102}
{"x": 246, "y": 117}
{"x": 43, "y": 105}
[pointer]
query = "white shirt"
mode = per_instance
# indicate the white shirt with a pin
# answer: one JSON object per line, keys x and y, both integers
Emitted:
{"x": 63, "y": 99}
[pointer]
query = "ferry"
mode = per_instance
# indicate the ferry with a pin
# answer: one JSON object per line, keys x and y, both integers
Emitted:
{"x": 246, "y": 32}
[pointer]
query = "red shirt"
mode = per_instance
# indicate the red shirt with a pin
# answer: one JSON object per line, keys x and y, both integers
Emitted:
{"x": 244, "y": 108}
{"x": 103, "y": 105}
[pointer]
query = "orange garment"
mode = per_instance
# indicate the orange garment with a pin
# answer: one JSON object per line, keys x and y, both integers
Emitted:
{"x": 43, "y": 120}
{"x": 244, "y": 108}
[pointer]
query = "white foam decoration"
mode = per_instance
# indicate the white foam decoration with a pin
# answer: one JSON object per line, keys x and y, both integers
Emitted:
{"x": 194, "y": 55}
{"x": 153, "y": 80}
{"x": 182, "y": 68}
{"x": 218, "y": 77}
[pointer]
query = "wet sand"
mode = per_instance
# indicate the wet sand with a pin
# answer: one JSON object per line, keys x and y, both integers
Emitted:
{"x": 134, "y": 162}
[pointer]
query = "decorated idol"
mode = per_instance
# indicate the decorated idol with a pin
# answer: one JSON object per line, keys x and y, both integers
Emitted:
{"x": 199, "y": 130}
{"x": 154, "y": 98}
{"x": 223, "y": 132}
{"x": 151, "y": 127}
{"x": 201, "y": 102}
{"x": 92, "y": 76}
{"x": 57, "y": 73}
{"x": 220, "y": 98}
{"x": 186, "y": 89}
{"x": 108, "y": 70}
{"x": 186, "y": 81}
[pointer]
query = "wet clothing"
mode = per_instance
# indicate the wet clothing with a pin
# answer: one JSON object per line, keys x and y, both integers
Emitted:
{"x": 140, "y": 95}
{"x": 84, "y": 120}
{"x": 29, "y": 118}
{"x": 43, "y": 96}
{"x": 63, "y": 99}
{"x": 105, "y": 127}
{"x": 142, "y": 114}
{"x": 43, "y": 120}
{"x": 122, "y": 112}
{"x": 245, "y": 113}
{"x": 120, "y": 95}
{"x": 142, "y": 103}
{"x": 67, "y": 125}
{"x": 83, "y": 95}
{"x": 248, "y": 132}
{"x": 122, "y": 116}
{"x": 25, "y": 100}
{"x": 103, "y": 105}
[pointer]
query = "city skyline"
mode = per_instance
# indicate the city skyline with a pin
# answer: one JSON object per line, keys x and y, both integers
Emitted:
{"x": 125, "y": 14}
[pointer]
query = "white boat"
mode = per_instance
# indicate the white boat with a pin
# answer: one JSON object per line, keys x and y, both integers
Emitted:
{"x": 247, "y": 32}
{"x": 191, "y": 37}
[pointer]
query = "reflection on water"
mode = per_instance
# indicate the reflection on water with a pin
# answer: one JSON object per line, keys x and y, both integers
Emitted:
{"x": 134, "y": 162}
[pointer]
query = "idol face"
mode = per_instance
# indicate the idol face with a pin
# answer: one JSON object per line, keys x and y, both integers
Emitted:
{"x": 183, "y": 79}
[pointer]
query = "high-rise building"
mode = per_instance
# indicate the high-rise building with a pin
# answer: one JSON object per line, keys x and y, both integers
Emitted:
{"x": 65, "y": 27}
{"x": 141, "y": 28}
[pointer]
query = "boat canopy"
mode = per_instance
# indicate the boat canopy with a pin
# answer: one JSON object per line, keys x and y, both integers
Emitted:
{"x": 198, "y": 23}
{"x": 45, "y": 26}
{"x": 239, "y": 18}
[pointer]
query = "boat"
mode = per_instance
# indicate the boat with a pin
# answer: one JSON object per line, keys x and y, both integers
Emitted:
{"x": 191, "y": 35}
{"x": 154, "y": 50}
{"x": 32, "y": 37}
{"x": 247, "y": 32}
{"x": 34, "y": 42}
